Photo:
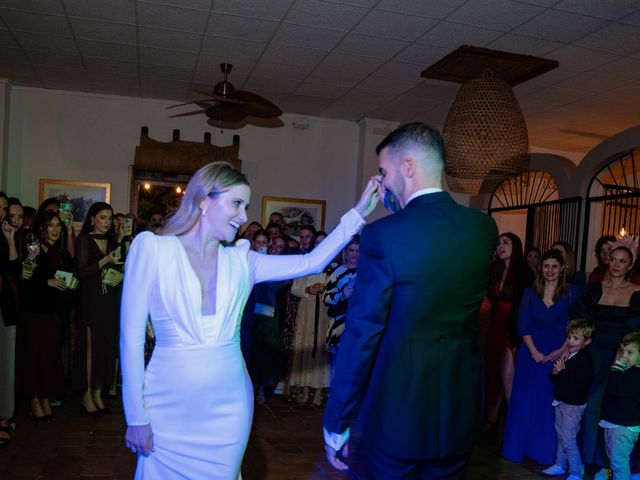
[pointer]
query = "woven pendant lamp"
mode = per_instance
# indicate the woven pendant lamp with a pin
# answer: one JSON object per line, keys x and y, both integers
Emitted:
{"x": 486, "y": 136}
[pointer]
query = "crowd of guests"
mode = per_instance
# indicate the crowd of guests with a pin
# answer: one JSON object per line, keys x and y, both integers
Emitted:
{"x": 291, "y": 330}
{"x": 561, "y": 352}
{"x": 59, "y": 306}
{"x": 562, "y": 357}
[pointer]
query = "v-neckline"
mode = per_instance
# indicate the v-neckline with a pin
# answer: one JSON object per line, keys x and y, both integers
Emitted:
{"x": 106, "y": 247}
{"x": 195, "y": 275}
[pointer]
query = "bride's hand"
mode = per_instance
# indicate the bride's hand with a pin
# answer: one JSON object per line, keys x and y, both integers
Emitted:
{"x": 139, "y": 439}
{"x": 369, "y": 198}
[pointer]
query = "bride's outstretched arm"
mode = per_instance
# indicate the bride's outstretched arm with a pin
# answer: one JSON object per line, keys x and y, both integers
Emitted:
{"x": 282, "y": 267}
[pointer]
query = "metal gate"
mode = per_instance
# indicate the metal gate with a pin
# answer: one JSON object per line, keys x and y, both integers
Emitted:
{"x": 548, "y": 219}
{"x": 613, "y": 203}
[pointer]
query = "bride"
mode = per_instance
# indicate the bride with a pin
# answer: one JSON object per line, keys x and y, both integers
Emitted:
{"x": 189, "y": 414}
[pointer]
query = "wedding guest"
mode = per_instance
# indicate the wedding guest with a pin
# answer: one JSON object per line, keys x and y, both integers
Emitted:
{"x": 41, "y": 293}
{"x": 571, "y": 378}
{"x": 293, "y": 246}
{"x": 574, "y": 277}
{"x": 542, "y": 321}
{"x": 53, "y": 205}
{"x": 97, "y": 308}
{"x": 613, "y": 307}
{"x": 277, "y": 217}
{"x": 260, "y": 242}
{"x": 620, "y": 417}
{"x": 15, "y": 214}
{"x": 10, "y": 267}
{"x": 29, "y": 217}
{"x": 250, "y": 230}
{"x": 509, "y": 276}
{"x": 265, "y": 364}
{"x": 15, "y": 217}
{"x": 274, "y": 230}
{"x": 310, "y": 363}
{"x": 306, "y": 233}
{"x": 336, "y": 295}
{"x": 532, "y": 256}
{"x": 277, "y": 246}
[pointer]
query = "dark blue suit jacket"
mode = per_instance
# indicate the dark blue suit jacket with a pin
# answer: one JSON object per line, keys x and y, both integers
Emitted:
{"x": 409, "y": 358}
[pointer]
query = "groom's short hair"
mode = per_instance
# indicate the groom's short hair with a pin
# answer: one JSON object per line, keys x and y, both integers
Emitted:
{"x": 417, "y": 134}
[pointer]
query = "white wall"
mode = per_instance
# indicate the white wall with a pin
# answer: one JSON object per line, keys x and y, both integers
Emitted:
{"x": 90, "y": 137}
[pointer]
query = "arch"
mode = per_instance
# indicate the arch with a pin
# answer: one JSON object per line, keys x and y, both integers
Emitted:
{"x": 528, "y": 188}
{"x": 560, "y": 168}
{"x": 601, "y": 156}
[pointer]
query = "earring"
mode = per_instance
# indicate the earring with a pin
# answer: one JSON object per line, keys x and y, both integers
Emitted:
{"x": 204, "y": 212}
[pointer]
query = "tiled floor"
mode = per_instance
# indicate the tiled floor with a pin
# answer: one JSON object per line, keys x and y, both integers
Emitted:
{"x": 285, "y": 444}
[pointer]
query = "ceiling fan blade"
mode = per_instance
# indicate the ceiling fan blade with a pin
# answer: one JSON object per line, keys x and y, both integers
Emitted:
{"x": 228, "y": 125}
{"x": 255, "y": 105}
{"x": 273, "y": 122}
{"x": 189, "y": 103}
{"x": 218, "y": 98}
{"x": 186, "y": 114}
{"x": 225, "y": 113}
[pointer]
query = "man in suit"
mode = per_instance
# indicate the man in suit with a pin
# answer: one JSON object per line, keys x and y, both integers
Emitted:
{"x": 409, "y": 359}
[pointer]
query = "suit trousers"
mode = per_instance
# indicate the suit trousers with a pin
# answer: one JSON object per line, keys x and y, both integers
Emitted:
{"x": 382, "y": 466}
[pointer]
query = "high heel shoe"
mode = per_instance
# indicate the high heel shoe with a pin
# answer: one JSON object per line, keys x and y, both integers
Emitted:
{"x": 105, "y": 411}
{"x": 42, "y": 419}
{"x": 91, "y": 414}
{"x": 50, "y": 418}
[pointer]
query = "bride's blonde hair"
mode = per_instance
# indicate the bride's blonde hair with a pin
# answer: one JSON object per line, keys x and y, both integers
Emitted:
{"x": 208, "y": 181}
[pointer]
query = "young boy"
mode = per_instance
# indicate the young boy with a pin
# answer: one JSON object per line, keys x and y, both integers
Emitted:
{"x": 571, "y": 378}
{"x": 620, "y": 414}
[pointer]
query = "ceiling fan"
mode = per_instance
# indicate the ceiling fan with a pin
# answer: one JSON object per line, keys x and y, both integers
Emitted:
{"x": 229, "y": 108}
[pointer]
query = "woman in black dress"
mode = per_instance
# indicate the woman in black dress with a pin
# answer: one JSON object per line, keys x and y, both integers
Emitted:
{"x": 613, "y": 305}
{"x": 39, "y": 359}
{"x": 97, "y": 309}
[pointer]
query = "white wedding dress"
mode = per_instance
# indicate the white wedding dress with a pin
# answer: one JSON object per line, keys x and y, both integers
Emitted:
{"x": 196, "y": 393}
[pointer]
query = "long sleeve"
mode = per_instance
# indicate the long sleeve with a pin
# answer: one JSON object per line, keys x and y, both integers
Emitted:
{"x": 524, "y": 313}
{"x": 267, "y": 268}
{"x": 367, "y": 319}
{"x": 140, "y": 273}
{"x": 332, "y": 294}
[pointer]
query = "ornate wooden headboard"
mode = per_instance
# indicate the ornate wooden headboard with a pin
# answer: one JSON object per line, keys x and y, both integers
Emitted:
{"x": 172, "y": 163}
{"x": 180, "y": 157}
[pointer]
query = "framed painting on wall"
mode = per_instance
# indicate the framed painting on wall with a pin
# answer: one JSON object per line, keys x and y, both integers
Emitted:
{"x": 296, "y": 212}
{"x": 80, "y": 195}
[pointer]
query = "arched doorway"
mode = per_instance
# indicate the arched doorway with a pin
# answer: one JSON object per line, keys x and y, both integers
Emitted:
{"x": 529, "y": 206}
{"x": 613, "y": 203}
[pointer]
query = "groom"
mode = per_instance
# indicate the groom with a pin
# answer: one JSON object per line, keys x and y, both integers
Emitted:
{"x": 409, "y": 359}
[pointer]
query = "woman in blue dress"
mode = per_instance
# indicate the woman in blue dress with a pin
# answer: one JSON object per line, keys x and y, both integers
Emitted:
{"x": 542, "y": 319}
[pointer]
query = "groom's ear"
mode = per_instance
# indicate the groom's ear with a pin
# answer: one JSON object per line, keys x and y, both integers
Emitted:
{"x": 408, "y": 167}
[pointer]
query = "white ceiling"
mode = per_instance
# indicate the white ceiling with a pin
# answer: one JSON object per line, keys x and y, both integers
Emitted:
{"x": 341, "y": 58}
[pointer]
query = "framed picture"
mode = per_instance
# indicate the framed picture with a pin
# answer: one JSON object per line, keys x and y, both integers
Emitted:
{"x": 296, "y": 212}
{"x": 81, "y": 195}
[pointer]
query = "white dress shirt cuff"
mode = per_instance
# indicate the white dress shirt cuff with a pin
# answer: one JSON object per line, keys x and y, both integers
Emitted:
{"x": 336, "y": 440}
